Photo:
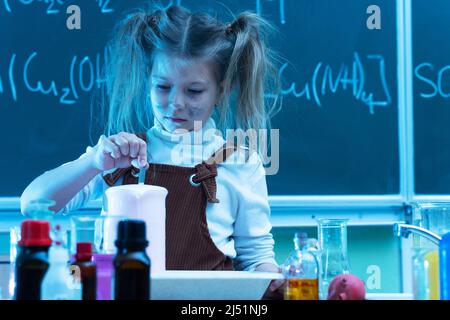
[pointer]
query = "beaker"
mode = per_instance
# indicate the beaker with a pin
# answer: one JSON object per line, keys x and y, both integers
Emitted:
{"x": 332, "y": 234}
{"x": 101, "y": 232}
{"x": 82, "y": 229}
{"x": 433, "y": 216}
{"x": 98, "y": 230}
{"x": 40, "y": 209}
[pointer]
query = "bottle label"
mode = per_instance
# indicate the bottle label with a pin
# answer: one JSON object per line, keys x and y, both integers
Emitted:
{"x": 302, "y": 289}
{"x": 74, "y": 281}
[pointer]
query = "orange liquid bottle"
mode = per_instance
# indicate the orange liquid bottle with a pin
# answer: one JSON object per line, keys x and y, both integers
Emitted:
{"x": 302, "y": 289}
{"x": 301, "y": 271}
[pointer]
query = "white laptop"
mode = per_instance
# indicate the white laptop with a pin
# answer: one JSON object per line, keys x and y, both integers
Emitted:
{"x": 210, "y": 285}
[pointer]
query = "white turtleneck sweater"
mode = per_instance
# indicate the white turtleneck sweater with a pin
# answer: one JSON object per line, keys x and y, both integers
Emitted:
{"x": 239, "y": 224}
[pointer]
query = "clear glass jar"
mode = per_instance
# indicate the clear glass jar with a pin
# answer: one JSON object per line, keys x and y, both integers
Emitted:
{"x": 332, "y": 234}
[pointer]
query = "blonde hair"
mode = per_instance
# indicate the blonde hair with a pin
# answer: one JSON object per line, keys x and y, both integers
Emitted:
{"x": 237, "y": 49}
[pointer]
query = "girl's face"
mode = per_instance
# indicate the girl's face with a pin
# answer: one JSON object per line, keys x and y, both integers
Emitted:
{"x": 182, "y": 91}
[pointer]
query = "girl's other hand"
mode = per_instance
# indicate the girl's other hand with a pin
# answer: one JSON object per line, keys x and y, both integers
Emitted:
{"x": 120, "y": 151}
{"x": 276, "y": 288}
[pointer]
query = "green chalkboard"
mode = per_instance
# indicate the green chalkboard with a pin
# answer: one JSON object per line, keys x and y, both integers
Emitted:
{"x": 431, "y": 82}
{"x": 338, "y": 125}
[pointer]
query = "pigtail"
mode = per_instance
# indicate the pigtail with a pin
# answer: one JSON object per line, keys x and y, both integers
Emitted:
{"x": 251, "y": 73}
{"x": 126, "y": 75}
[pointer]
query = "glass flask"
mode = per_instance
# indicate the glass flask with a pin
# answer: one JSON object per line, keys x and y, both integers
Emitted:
{"x": 332, "y": 234}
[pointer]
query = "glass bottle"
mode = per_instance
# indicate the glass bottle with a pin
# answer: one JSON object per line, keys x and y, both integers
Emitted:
{"x": 301, "y": 270}
{"x": 38, "y": 210}
{"x": 105, "y": 233}
{"x": 87, "y": 270}
{"x": 332, "y": 234}
{"x": 32, "y": 261}
{"x": 58, "y": 283}
{"x": 131, "y": 263}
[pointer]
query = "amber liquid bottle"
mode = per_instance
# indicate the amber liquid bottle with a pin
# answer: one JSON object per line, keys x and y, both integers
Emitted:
{"x": 32, "y": 261}
{"x": 87, "y": 270}
{"x": 301, "y": 271}
{"x": 131, "y": 263}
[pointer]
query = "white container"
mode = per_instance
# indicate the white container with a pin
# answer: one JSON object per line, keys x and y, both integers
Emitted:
{"x": 142, "y": 202}
{"x": 58, "y": 284}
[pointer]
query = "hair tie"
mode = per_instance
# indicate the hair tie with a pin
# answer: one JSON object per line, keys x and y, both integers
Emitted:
{"x": 229, "y": 29}
{"x": 153, "y": 21}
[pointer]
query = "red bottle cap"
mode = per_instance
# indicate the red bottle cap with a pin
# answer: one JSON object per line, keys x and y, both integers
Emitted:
{"x": 84, "y": 251}
{"x": 35, "y": 233}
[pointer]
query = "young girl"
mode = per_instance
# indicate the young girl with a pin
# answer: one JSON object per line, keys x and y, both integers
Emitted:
{"x": 181, "y": 69}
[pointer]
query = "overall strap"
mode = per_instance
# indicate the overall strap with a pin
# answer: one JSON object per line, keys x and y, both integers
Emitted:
{"x": 207, "y": 170}
{"x": 222, "y": 154}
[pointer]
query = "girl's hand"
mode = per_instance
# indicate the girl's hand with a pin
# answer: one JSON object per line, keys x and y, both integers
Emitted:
{"x": 275, "y": 291}
{"x": 120, "y": 151}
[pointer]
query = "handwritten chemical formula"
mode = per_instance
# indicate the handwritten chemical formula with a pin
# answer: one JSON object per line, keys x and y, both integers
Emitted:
{"x": 352, "y": 77}
{"x": 83, "y": 73}
{"x": 21, "y": 72}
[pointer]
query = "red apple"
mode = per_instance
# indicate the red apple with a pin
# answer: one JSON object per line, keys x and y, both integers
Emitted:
{"x": 346, "y": 287}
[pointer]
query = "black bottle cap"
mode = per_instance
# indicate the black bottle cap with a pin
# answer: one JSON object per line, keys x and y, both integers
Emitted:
{"x": 131, "y": 233}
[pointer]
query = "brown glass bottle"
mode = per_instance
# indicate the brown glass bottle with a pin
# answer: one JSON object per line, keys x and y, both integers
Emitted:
{"x": 32, "y": 261}
{"x": 131, "y": 263}
{"x": 88, "y": 270}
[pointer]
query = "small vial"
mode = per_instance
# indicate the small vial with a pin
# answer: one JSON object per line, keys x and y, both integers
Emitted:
{"x": 88, "y": 270}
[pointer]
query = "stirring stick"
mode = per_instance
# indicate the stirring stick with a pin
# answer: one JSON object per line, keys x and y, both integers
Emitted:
{"x": 142, "y": 175}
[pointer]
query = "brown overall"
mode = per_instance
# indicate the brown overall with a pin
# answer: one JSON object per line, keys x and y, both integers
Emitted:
{"x": 188, "y": 243}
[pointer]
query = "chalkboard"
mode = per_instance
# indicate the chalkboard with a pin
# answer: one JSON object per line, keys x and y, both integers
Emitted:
{"x": 431, "y": 52}
{"x": 338, "y": 125}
